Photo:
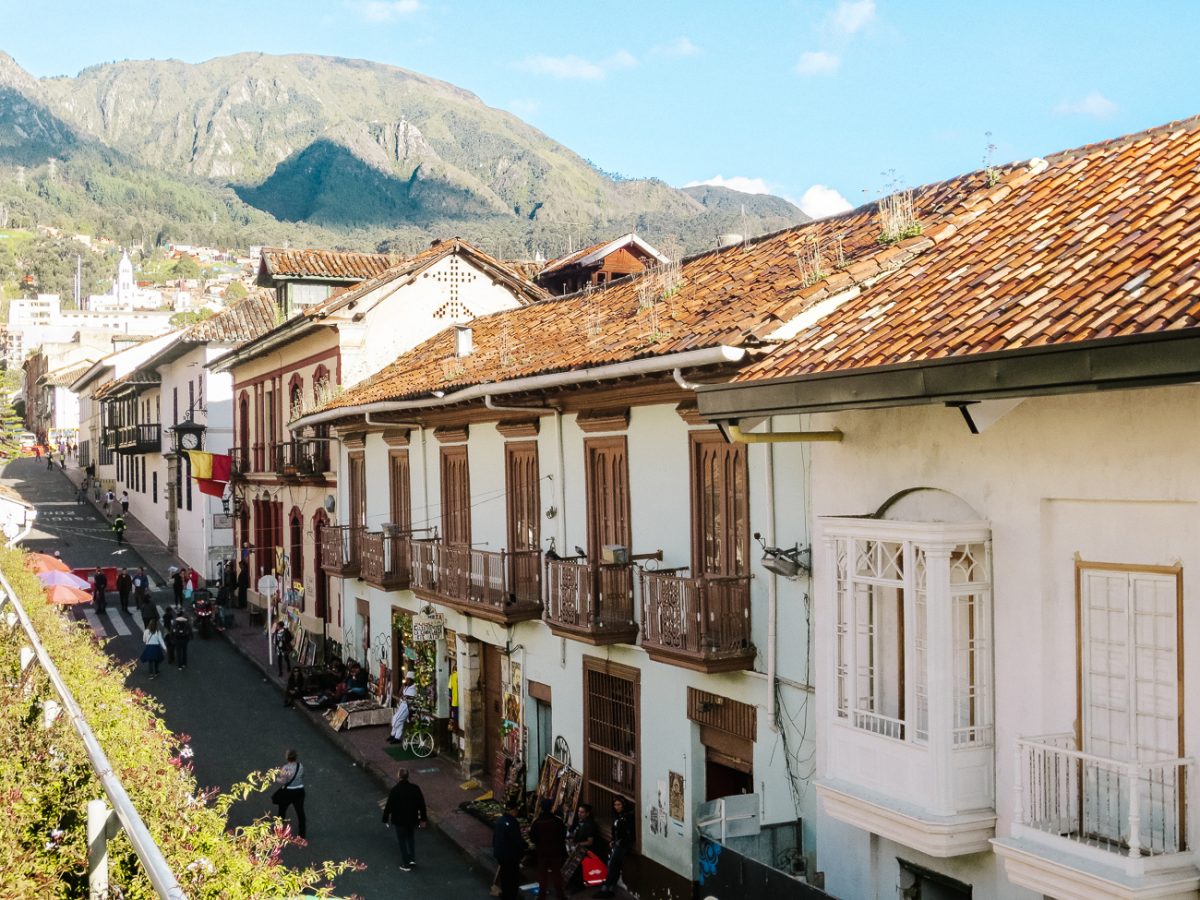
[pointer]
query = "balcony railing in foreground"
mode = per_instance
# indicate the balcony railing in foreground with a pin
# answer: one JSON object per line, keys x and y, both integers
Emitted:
{"x": 385, "y": 559}
{"x": 1136, "y": 809}
{"x": 99, "y": 824}
{"x": 697, "y": 622}
{"x": 591, "y": 602}
{"x": 340, "y": 549}
{"x": 502, "y": 586}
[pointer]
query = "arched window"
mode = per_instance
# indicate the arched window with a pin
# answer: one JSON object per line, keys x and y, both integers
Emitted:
{"x": 296, "y": 548}
{"x": 321, "y": 581}
{"x": 243, "y": 432}
{"x": 295, "y": 397}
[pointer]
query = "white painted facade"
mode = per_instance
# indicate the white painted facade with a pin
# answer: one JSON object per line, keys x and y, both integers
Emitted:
{"x": 660, "y": 511}
{"x": 1103, "y": 485}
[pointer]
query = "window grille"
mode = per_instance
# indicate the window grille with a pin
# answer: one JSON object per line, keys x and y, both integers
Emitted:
{"x": 612, "y": 696}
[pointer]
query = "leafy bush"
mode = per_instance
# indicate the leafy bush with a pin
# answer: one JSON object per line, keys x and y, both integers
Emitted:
{"x": 46, "y": 781}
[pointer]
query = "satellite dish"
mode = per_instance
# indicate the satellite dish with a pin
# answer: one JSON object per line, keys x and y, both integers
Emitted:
{"x": 330, "y": 503}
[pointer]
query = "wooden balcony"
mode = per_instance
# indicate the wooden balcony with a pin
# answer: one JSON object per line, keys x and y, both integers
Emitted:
{"x": 240, "y": 460}
{"x": 590, "y": 602}
{"x": 699, "y": 623}
{"x": 502, "y": 587}
{"x": 385, "y": 560}
{"x": 340, "y": 550}
{"x": 133, "y": 439}
{"x": 109, "y": 437}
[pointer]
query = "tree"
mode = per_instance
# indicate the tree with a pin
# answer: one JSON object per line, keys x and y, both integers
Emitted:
{"x": 186, "y": 267}
{"x": 11, "y": 425}
{"x": 236, "y": 291}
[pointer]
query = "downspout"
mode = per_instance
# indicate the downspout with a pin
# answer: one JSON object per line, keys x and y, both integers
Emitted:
{"x": 781, "y": 437}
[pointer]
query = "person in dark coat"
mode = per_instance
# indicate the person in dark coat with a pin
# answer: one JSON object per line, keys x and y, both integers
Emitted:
{"x": 181, "y": 635}
{"x": 124, "y": 589}
{"x": 549, "y": 837}
{"x": 243, "y": 584}
{"x": 405, "y": 811}
{"x": 100, "y": 587}
{"x": 141, "y": 587}
{"x": 622, "y": 843}
{"x": 508, "y": 846}
{"x": 177, "y": 587}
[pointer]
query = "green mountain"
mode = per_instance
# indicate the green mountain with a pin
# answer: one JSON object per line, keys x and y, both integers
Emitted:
{"x": 325, "y": 150}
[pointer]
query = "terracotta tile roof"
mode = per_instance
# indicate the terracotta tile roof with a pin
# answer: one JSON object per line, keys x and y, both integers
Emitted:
{"x": 329, "y": 265}
{"x": 66, "y": 376}
{"x": 427, "y": 257}
{"x": 733, "y": 295}
{"x": 244, "y": 321}
{"x": 580, "y": 256}
{"x": 1104, "y": 242}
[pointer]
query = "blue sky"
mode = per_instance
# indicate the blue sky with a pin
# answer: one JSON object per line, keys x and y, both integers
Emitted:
{"x": 818, "y": 100}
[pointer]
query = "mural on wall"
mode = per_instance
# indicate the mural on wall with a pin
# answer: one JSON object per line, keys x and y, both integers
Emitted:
{"x": 513, "y": 725}
{"x": 675, "y": 796}
{"x": 658, "y": 812}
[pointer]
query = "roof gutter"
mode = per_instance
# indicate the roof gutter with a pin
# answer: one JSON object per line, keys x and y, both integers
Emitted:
{"x": 709, "y": 356}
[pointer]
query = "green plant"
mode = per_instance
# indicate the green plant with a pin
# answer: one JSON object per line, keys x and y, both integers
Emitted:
{"x": 47, "y": 781}
{"x": 991, "y": 172}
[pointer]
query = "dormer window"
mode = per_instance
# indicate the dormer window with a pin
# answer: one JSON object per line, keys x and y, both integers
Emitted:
{"x": 464, "y": 344}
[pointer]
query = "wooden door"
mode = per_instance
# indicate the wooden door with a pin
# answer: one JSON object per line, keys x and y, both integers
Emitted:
{"x": 720, "y": 506}
{"x": 456, "y": 497}
{"x": 608, "y": 494}
{"x": 493, "y": 710}
{"x": 524, "y": 495}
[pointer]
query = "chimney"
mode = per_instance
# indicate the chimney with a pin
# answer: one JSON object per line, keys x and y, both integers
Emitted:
{"x": 464, "y": 345}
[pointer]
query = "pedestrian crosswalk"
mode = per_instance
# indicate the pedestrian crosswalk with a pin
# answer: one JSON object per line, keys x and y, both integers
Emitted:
{"x": 113, "y": 622}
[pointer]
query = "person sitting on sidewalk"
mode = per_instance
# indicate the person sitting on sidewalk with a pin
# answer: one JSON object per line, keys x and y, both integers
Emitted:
{"x": 357, "y": 686}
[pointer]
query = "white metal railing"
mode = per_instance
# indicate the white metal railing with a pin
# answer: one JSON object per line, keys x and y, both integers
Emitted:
{"x": 99, "y": 821}
{"x": 1133, "y": 808}
{"x": 876, "y": 723}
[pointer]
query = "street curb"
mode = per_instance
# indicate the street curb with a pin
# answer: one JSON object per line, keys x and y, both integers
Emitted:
{"x": 479, "y": 859}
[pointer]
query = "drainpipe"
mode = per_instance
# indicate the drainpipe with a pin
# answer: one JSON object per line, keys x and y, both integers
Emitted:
{"x": 772, "y": 587}
{"x": 779, "y": 437}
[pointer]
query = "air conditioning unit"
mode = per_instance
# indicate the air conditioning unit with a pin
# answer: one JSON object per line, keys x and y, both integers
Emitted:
{"x": 614, "y": 554}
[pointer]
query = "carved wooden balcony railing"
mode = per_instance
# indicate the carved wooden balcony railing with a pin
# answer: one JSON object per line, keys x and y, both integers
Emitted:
{"x": 385, "y": 560}
{"x": 590, "y": 602}
{"x": 139, "y": 439}
{"x": 700, "y": 623}
{"x": 502, "y": 587}
{"x": 299, "y": 459}
{"x": 340, "y": 549}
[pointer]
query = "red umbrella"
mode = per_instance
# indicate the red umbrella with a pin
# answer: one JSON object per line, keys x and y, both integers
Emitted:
{"x": 67, "y": 596}
{"x": 43, "y": 562}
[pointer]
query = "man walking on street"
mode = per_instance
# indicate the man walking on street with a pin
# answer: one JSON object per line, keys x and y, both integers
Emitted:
{"x": 508, "y": 846}
{"x": 181, "y": 632}
{"x": 100, "y": 585}
{"x": 141, "y": 588}
{"x": 118, "y": 527}
{"x": 124, "y": 588}
{"x": 405, "y": 810}
{"x": 108, "y": 502}
{"x": 291, "y": 791}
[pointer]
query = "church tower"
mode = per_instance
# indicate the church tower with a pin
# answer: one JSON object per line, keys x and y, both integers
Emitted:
{"x": 124, "y": 287}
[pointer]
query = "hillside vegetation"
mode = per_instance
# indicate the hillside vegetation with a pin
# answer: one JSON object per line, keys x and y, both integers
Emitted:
{"x": 320, "y": 151}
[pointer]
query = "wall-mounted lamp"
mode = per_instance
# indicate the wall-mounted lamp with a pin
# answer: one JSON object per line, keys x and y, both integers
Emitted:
{"x": 786, "y": 562}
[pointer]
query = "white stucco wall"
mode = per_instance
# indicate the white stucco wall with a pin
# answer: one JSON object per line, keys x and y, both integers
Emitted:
{"x": 1104, "y": 478}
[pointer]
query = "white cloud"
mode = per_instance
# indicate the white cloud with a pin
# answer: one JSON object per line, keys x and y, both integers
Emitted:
{"x": 818, "y": 62}
{"x": 680, "y": 47}
{"x": 736, "y": 183}
{"x": 820, "y": 201}
{"x": 1094, "y": 104}
{"x": 851, "y": 16}
{"x": 577, "y": 68}
{"x": 386, "y": 10}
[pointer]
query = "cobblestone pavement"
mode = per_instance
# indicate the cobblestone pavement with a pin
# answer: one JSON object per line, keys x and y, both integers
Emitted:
{"x": 238, "y": 723}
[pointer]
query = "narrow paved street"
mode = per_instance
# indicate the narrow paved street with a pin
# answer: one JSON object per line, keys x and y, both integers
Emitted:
{"x": 238, "y": 724}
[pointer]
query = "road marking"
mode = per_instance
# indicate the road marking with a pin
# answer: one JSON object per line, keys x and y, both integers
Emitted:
{"x": 94, "y": 621}
{"x": 118, "y": 623}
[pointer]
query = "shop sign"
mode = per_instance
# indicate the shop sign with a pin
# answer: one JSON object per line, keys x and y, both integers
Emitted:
{"x": 428, "y": 627}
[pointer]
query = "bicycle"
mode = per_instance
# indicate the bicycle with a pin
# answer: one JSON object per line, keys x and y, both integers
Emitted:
{"x": 418, "y": 739}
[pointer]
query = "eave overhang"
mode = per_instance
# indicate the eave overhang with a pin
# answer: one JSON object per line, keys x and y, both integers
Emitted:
{"x": 1115, "y": 364}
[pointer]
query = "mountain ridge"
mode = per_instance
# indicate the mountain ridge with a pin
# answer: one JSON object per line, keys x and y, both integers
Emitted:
{"x": 365, "y": 151}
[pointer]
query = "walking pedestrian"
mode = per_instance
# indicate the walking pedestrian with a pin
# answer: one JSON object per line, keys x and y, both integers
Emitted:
{"x": 99, "y": 589}
{"x": 141, "y": 587}
{"x": 243, "y": 585}
{"x": 405, "y": 810}
{"x": 508, "y": 846}
{"x": 181, "y": 632}
{"x": 118, "y": 527}
{"x": 622, "y": 841}
{"x": 148, "y": 609}
{"x": 124, "y": 503}
{"x": 291, "y": 790}
{"x": 549, "y": 836}
{"x": 155, "y": 647}
{"x": 177, "y": 586}
{"x": 283, "y": 640}
{"x": 109, "y": 498}
{"x": 81, "y": 492}
{"x": 49, "y": 460}
{"x": 124, "y": 588}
